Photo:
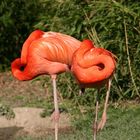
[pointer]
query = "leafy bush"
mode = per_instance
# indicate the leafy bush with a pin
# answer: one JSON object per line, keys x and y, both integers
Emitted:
{"x": 111, "y": 24}
{"x": 17, "y": 21}
{"x": 114, "y": 25}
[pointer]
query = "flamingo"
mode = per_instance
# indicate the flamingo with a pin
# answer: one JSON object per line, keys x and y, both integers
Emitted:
{"x": 93, "y": 68}
{"x": 47, "y": 53}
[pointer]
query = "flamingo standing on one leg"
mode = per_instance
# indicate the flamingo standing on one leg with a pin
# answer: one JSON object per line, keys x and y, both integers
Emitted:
{"x": 94, "y": 67}
{"x": 46, "y": 53}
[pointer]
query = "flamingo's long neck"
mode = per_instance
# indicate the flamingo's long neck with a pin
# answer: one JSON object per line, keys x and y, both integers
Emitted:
{"x": 18, "y": 73}
{"x": 81, "y": 52}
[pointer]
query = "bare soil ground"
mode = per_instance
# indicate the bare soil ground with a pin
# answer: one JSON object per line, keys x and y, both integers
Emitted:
{"x": 27, "y": 120}
{"x": 12, "y": 90}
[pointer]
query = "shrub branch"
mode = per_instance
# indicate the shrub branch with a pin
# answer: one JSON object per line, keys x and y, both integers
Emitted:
{"x": 128, "y": 58}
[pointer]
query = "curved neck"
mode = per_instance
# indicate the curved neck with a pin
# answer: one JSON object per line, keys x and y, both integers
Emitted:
{"x": 17, "y": 72}
{"x": 86, "y": 45}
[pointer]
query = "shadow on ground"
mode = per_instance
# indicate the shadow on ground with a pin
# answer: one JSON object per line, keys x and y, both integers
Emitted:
{"x": 8, "y": 133}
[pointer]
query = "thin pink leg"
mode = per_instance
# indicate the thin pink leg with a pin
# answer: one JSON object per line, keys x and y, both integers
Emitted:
{"x": 104, "y": 115}
{"x": 56, "y": 114}
{"x": 96, "y": 116}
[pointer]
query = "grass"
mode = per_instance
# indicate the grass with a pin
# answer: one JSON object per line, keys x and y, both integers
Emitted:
{"x": 122, "y": 124}
{"x": 6, "y": 111}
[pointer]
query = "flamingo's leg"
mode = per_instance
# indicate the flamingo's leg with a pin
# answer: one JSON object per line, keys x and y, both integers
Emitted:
{"x": 96, "y": 116}
{"x": 56, "y": 113}
{"x": 104, "y": 115}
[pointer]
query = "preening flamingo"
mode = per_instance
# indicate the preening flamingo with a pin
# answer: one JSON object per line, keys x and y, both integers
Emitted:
{"x": 46, "y": 53}
{"x": 94, "y": 67}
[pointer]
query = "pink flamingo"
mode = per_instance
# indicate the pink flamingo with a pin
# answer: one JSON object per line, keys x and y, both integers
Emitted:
{"x": 94, "y": 67}
{"x": 46, "y": 53}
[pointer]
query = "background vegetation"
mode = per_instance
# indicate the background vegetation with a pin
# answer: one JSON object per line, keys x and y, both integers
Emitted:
{"x": 114, "y": 25}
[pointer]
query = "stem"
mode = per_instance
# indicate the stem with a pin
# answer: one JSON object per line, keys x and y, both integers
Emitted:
{"x": 128, "y": 58}
{"x": 118, "y": 86}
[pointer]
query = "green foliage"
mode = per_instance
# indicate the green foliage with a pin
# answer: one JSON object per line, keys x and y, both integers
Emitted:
{"x": 111, "y": 24}
{"x": 115, "y": 26}
{"x": 63, "y": 16}
{"x": 6, "y": 111}
{"x": 17, "y": 21}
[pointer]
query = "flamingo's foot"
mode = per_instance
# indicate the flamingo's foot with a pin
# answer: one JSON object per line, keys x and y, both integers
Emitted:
{"x": 55, "y": 116}
{"x": 102, "y": 122}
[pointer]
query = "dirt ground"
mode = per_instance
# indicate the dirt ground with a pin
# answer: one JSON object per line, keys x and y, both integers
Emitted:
{"x": 27, "y": 120}
{"x": 12, "y": 90}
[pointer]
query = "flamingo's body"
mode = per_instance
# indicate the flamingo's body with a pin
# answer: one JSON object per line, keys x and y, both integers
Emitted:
{"x": 94, "y": 67}
{"x": 45, "y": 53}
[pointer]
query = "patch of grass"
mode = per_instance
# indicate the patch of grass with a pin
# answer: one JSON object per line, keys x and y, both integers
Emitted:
{"x": 6, "y": 111}
{"x": 122, "y": 124}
